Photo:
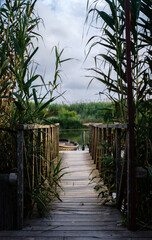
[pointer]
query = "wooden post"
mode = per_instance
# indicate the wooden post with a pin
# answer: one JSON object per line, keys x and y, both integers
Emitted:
{"x": 57, "y": 140}
{"x": 97, "y": 149}
{"x": 46, "y": 151}
{"x": 118, "y": 160}
{"x": 90, "y": 138}
{"x": 104, "y": 139}
{"x": 131, "y": 148}
{"x": 41, "y": 152}
{"x": 123, "y": 178}
{"x": 33, "y": 160}
{"x": 49, "y": 134}
{"x": 91, "y": 141}
{"x": 100, "y": 151}
{"x": 93, "y": 130}
{"x": 83, "y": 140}
{"x": 95, "y": 145}
{"x": 48, "y": 138}
{"x": 20, "y": 186}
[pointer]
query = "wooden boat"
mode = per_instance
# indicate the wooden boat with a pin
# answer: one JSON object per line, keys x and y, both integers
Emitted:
{"x": 67, "y": 145}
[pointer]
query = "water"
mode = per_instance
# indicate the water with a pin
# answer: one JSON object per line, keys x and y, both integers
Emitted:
{"x": 76, "y": 135}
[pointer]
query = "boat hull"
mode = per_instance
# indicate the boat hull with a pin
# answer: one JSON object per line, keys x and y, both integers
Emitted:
{"x": 67, "y": 145}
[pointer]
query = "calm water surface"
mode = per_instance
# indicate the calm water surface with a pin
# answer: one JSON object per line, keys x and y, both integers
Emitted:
{"x": 76, "y": 135}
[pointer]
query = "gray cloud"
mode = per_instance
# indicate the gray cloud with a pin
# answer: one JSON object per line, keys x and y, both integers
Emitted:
{"x": 64, "y": 23}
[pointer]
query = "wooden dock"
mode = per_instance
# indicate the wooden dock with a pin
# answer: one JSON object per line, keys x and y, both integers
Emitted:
{"x": 80, "y": 215}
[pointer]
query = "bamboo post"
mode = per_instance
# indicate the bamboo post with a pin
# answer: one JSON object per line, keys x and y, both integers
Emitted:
{"x": 90, "y": 138}
{"x": 41, "y": 152}
{"x": 33, "y": 162}
{"x": 97, "y": 150}
{"x": 50, "y": 137}
{"x": 36, "y": 161}
{"x": 57, "y": 140}
{"x": 93, "y": 129}
{"x": 48, "y": 152}
{"x": 98, "y": 145}
{"x": 100, "y": 151}
{"x": 44, "y": 152}
{"x": 95, "y": 145}
{"x": 52, "y": 143}
{"x": 20, "y": 187}
{"x": 104, "y": 136}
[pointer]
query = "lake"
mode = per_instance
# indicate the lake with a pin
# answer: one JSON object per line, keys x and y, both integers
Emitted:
{"x": 76, "y": 135}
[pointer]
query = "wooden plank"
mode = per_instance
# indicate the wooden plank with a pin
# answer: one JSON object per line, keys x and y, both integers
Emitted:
{"x": 96, "y": 234}
{"x": 80, "y": 215}
{"x": 118, "y": 125}
{"x": 72, "y": 227}
{"x": 67, "y": 238}
{"x": 35, "y": 126}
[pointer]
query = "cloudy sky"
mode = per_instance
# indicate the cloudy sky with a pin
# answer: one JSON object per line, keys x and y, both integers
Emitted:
{"x": 63, "y": 26}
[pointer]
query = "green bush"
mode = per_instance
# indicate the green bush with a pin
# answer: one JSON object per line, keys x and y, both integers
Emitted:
{"x": 84, "y": 112}
{"x": 67, "y": 119}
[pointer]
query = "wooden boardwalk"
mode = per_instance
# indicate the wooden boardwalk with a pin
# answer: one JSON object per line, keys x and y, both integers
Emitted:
{"x": 80, "y": 216}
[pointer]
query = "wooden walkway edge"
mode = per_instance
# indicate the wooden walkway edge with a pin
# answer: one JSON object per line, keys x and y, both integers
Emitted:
{"x": 80, "y": 215}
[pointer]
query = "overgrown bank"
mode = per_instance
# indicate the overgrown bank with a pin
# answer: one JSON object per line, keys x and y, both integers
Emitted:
{"x": 74, "y": 115}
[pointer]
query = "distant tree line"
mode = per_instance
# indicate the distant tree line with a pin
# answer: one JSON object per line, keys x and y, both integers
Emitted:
{"x": 74, "y": 115}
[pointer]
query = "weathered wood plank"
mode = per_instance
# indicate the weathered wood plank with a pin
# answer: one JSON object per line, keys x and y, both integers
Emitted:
{"x": 118, "y": 125}
{"x": 66, "y": 238}
{"x": 96, "y": 234}
{"x": 80, "y": 215}
{"x": 34, "y": 126}
{"x": 76, "y": 228}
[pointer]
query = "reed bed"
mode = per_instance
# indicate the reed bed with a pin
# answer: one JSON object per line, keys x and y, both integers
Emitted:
{"x": 110, "y": 69}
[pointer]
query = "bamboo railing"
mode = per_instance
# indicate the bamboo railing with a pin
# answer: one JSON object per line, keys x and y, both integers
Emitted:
{"x": 111, "y": 140}
{"x": 37, "y": 147}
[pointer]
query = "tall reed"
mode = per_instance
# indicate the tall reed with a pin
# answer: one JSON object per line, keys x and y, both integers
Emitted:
{"x": 111, "y": 37}
{"x": 19, "y": 86}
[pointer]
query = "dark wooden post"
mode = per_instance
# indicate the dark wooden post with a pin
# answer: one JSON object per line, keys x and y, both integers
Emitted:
{"x": 118, "y": 160}
{"x": 83, "y": 140}
{"x": 123, "y": 177}
{"x": 131, "y": 147}
{"x": 20, "y": 185}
